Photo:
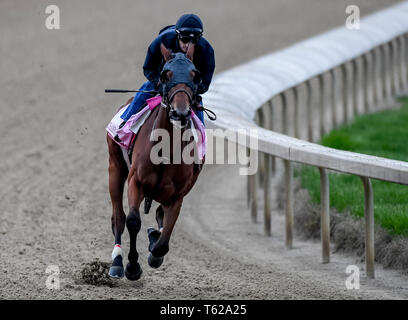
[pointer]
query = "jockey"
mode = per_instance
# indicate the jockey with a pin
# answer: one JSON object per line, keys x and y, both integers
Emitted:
{"x": 187, "y": 31}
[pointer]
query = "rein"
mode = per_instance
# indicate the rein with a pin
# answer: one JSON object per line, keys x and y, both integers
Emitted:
{"x": 210, "y": 114}
{"x": 212, "y": 117}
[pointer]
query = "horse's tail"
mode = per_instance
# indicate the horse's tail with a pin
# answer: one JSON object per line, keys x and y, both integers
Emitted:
{"x": 147, "y": 205}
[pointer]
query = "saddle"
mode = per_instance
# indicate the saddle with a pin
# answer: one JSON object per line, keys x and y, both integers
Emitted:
{"x": 128, "y": 132}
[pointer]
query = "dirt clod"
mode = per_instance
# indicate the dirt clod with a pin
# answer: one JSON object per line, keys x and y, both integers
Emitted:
{"x": 96, "y": 273}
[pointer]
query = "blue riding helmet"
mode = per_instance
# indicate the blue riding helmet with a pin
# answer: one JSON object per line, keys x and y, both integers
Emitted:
{"x": 189, "y": 28}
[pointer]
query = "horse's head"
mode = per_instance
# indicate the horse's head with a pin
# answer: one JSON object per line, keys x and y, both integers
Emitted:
{"x": 180, "y": 80}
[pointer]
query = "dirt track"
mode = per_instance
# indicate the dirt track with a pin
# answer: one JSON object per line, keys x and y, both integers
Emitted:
{"x": 55, "y": 207}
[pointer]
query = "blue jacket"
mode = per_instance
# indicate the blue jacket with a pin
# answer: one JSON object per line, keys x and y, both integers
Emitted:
{"x": 203, "y": 58}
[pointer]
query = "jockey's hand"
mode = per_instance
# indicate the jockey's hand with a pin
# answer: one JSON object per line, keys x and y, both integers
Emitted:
{"x": 160, "y": 88}
{"x": 197, "y": 101}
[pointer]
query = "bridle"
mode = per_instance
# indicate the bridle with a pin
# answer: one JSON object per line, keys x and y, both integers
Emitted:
{"x": 166, "y": 103}
{"x": 182, "y": 68}
{"x": 190, "y": 98}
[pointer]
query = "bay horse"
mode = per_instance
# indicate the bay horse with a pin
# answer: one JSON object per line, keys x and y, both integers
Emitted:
{"x": 166, "y": 183}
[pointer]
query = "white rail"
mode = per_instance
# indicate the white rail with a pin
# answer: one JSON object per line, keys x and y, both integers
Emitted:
{"x": 306, "y": 90}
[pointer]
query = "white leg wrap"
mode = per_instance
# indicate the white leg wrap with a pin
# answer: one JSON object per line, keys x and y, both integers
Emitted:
{"x": 117, "y": 251}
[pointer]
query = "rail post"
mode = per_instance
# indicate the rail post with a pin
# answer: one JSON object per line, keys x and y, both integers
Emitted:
{"x": 403, "y": 62}
{"x": 253, "y": 196}
{"x": 260, "y": 120}
{"x": 395, "y": 67}
{"x": 289, "y": 203}
{"x": 322, "y": 111}
{"x": 271, "y": 127}
{"x": 325, "y": 215}
{"x": 369, "y": 82}
{"x": 379, "y": 88}
{"x": 284, "y": 113}
{"x": 296, "y": 112}
{"x": 267, "y": 195}
{"x": 309, "y": 111}
{"x": 334, "y": 96}
{"x": 369, "y": 226}
{"x": 347, "y": 80}
{"x": 387, "y": 73}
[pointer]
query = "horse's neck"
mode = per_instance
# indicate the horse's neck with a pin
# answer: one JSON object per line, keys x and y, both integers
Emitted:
{"x": 162, "y": 120}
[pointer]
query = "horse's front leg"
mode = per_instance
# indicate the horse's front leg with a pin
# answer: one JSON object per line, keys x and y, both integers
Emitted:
{"x": 117, "y": 177}
{"x": 133, "y": 223}
{"x": 160, "y": 247}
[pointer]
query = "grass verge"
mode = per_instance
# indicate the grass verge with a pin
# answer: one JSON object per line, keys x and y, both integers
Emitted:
{"x": 382, "y": 134}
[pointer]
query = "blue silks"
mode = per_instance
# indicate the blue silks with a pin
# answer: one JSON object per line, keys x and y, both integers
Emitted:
{"x": 200, "y": 114}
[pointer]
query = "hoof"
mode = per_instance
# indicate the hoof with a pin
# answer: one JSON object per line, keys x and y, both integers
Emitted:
{"x": 116, "y": 272}
{"x": 133, "y": 273}
{"x": 154, "y": 262}
{"x": 153, "y": 236}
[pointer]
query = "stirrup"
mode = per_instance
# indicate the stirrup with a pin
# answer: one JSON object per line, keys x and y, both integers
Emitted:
{"x": 122, "y": 124}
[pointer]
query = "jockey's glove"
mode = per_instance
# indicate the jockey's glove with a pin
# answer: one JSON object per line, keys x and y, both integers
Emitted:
{"x": 160, "y": 88}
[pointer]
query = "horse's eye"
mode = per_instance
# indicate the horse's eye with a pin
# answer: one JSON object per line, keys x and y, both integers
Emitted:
{"x": 165, "y": 76}
{"x": 196, "y": 76}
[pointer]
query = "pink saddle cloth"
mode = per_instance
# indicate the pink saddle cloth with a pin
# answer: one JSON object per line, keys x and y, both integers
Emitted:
{"x": 128, "y": 132}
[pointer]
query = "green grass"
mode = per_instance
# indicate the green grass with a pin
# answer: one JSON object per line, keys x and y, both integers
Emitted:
{"x": 383, "y": 134}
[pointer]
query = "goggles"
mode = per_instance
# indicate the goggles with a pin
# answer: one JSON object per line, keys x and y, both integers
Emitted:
{"x": 187, "y": 37}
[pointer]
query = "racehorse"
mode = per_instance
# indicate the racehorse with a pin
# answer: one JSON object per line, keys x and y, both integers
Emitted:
{"x": 167, "y": 183}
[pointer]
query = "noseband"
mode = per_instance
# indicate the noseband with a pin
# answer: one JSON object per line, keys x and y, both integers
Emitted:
{"x": 170, "y": 99}
{"x": 166, "y": 102}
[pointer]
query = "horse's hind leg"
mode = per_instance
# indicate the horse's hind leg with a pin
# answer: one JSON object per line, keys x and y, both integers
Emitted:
{"x": 133, "y": 223}
{"x": 159, "y": 217}
{"x": 154, "y": 234}
{"x": 117, "y": 177}
{"x": 161, "y": 246}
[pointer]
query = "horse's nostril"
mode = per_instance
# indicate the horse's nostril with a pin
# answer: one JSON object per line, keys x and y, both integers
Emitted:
{"x": 178, "y": 115}
{"x": 174, "y": 115}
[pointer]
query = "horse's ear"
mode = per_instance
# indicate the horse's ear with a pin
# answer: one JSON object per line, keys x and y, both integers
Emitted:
{"x": 190, "y": 52}
{"x": 165, "y": 52}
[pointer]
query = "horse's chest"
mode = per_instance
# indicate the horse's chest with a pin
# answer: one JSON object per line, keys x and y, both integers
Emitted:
{"x": 176, "y": 177}
{"x": 168, "y": 180}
